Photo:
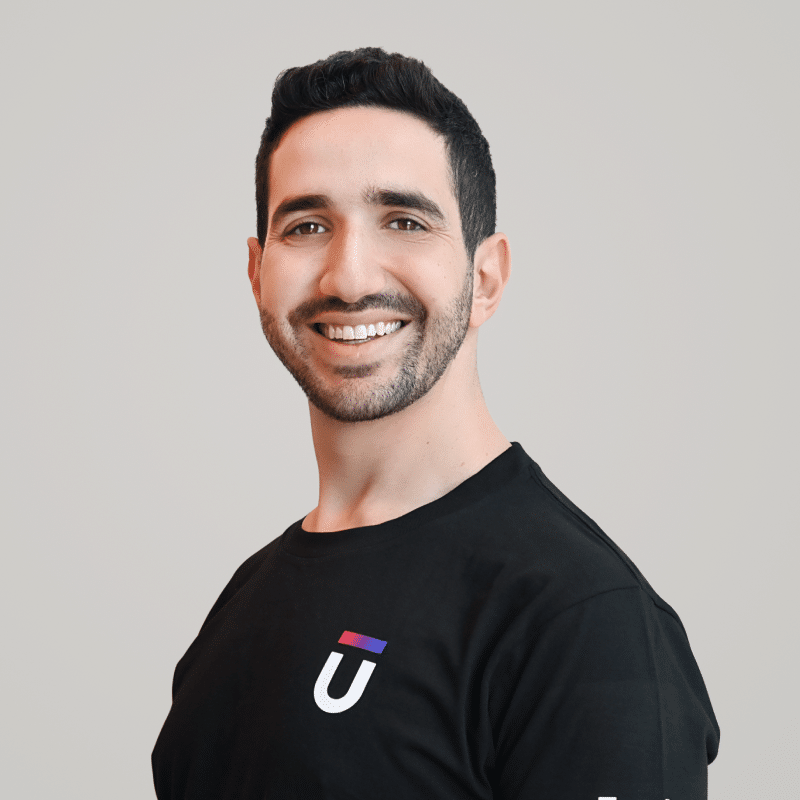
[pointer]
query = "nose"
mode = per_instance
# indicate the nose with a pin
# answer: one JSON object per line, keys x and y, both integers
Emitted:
{"x": 352, "y": 266}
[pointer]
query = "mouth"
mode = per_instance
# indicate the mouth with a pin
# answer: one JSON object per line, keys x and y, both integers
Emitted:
{"x": 357, "y": 334}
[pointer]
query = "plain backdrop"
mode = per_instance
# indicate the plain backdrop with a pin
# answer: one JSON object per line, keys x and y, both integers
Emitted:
{"x": 644, "y": 353}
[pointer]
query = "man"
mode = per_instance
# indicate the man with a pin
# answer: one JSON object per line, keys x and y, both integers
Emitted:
{"x": 445, "y": 623}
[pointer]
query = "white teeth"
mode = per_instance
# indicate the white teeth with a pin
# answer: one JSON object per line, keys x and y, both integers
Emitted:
{"x": 350, "y": 333}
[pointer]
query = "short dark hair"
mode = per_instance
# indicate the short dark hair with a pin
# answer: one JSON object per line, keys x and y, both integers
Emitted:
{"x": 368, "y": 77}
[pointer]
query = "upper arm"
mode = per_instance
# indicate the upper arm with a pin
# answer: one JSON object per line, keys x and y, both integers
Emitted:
{"x": 603, "y": 701}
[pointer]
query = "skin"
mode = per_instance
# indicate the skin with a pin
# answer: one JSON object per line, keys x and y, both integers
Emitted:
{"x": 400, "y": 421}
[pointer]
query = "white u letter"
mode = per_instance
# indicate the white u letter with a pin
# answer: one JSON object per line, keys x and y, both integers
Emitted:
{"x": 327, "y": 703}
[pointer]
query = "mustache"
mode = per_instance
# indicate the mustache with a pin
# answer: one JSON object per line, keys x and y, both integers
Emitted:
{"x": 404, "y": 304}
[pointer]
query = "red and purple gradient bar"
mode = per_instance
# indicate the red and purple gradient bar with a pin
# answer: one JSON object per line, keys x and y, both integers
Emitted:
{"x": 364, "y": 642}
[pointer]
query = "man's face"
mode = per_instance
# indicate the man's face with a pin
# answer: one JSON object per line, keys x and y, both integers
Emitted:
{"x": 374, "y": 250}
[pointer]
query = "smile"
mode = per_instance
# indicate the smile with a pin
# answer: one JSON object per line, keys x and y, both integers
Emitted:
{"x": 359, "y": 333}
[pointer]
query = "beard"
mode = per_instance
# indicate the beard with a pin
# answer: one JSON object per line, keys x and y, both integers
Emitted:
{"x": 427, "y": 354}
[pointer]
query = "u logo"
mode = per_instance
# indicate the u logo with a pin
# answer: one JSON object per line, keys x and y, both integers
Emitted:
{"x": 321, "y": 696}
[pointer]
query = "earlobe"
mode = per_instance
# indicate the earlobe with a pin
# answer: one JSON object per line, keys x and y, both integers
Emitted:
{"x": 254, "y": 267}
{"x": 492, "y": 271}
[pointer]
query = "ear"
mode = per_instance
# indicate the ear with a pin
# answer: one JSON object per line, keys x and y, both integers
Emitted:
{"x": 254, "y": 267}
{"x": 492, "y": 271}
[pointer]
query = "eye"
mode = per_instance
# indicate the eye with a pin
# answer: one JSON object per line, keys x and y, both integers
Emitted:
{"x": 320, "y": 228}
{"x": 408, "y": 229}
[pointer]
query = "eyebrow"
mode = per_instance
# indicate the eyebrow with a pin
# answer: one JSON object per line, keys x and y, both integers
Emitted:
{"x": 373, "y": 196}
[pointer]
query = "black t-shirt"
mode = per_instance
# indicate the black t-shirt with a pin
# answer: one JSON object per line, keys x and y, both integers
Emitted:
{"x": 494, "y": 643}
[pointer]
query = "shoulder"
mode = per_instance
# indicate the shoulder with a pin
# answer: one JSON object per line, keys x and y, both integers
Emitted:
{"x": 548, "y": 551}
{"x": 245, "y": 574}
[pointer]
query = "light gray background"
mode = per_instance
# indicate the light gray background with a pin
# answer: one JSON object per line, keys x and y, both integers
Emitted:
{"x": 644, "y": 353}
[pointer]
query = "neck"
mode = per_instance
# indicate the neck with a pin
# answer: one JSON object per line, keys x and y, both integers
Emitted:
{"x": 371, "y": 472}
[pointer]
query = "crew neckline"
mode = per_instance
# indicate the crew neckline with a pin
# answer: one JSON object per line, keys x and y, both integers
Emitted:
{"x": 511, "y": 463}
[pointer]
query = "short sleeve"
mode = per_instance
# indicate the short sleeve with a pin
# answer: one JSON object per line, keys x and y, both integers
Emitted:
{"x": 237, "y": 581}
{"x": 603, "y": 700}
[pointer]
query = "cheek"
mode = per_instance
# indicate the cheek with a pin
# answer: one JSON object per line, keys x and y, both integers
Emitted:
{"x": 436, "y": 284}
{"x": 282, "y": 288}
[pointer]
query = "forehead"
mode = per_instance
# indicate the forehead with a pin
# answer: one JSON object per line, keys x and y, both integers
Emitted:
{"x": 343, "y": 151}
